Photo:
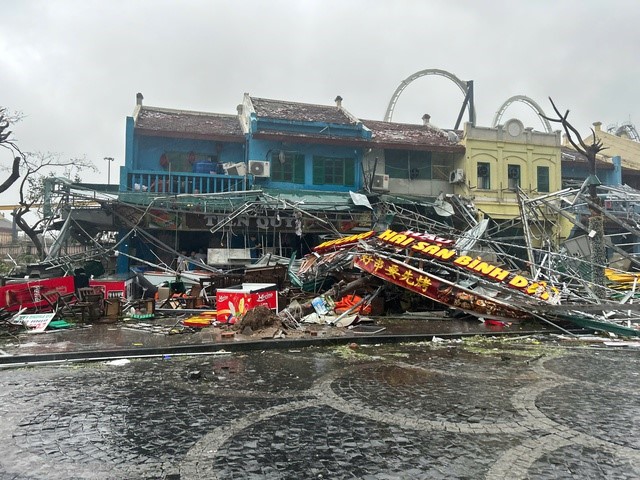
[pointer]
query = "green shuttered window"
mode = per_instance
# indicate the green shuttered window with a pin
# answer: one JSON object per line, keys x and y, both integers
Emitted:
{"x": 333, "y": 171}
{"x": 543, "y": 179}
{"x": 287, "y": 167}
{"x": 408, "y": 165}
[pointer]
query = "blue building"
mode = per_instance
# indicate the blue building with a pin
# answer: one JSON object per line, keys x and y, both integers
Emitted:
{"x": 284, "y": 171}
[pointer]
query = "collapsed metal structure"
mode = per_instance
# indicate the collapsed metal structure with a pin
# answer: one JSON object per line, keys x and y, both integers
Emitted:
{"x": 527, "y": 246}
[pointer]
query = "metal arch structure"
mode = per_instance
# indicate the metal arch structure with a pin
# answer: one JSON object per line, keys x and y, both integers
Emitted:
{"x": 527, "y": 101}
{"x": 626, "y": 128}
{"x": 465, "y": 87}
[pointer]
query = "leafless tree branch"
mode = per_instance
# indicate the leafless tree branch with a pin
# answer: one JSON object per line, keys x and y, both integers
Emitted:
{"x": 37, "y": 168}
{"x": 589, "y": 151}
{"x": 6, "y": 120}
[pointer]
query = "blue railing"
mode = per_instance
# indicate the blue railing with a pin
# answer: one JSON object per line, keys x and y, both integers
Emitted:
{"x": 155, "y": 182}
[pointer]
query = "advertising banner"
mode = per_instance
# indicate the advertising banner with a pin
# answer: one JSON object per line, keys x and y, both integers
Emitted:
{"x": 233, "y": 303}
{"x": 436, "y": 288}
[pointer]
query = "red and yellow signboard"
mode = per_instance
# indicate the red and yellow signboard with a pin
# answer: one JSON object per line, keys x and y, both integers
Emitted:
{"x": 435, "y": 288}
{"x": 441, "y": 249}
{"x": 342, "y": 242}
{"x": 435, "y": 249}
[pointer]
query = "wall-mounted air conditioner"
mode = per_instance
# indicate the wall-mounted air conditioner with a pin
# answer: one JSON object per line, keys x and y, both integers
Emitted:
{"x": 259, "y": 168}
{"x": 234, "y": 168}
{"x": 456, "y": 176}
{"x": 380, "y": 183}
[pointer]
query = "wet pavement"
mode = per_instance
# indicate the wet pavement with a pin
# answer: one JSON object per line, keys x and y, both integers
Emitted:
{"x": 153, "y": 336}
{"x": 528, "y": 406}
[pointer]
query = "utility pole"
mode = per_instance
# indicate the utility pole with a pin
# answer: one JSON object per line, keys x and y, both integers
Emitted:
{"x": 109, "y": 159}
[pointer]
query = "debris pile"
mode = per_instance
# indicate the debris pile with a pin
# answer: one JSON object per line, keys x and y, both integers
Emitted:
{"x": 257, "y": 320}
{"x": 441, "y": 252}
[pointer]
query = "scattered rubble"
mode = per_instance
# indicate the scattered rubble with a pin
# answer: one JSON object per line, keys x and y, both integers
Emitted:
{"x": 417, "y": 262}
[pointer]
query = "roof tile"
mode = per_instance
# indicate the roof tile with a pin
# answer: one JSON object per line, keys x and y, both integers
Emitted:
{"x": 188, "y": 122}
{"x": 299, "y": 112}
{"x": 388, "y": 133}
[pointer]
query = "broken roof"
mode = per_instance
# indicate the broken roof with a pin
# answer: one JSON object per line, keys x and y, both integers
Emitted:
{"x": 184, "y": 123}
{"x": 301, "y": 112}
{"x": 626, "y": 148}
{"x": 5, "y": 224}
{"x": 412, "y": 136}
{"x": 571, "y": 156}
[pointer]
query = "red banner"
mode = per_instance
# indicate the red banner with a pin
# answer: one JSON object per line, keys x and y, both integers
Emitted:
{"x": 436, "y": 288}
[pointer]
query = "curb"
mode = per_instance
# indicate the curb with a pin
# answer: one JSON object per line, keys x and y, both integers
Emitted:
{"x": 237, "y": 346}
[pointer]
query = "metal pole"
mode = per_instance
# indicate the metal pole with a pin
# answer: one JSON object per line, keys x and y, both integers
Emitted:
{"x": 109, "y": 159}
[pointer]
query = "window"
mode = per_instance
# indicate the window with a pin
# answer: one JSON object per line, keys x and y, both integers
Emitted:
{"x": 513, "y": 172}
{"x": 543, "y": 179}
{"x": 334, "y": 171}
{"x": 287, "y": 167}
{"x": 484, "y": 176}
{"x": 408, "y": 165}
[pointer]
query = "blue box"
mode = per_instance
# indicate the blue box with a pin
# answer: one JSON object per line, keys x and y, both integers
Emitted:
{"x": 204, "y": 167}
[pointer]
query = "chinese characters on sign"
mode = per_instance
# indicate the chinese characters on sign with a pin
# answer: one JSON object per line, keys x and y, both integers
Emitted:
{"x": 435, "y": 288}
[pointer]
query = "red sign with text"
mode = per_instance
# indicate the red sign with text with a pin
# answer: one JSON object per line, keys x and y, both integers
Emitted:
{"x": 435, "y": 288}
{"x": 232, "y": 303}
{"x": 30, "y": 294}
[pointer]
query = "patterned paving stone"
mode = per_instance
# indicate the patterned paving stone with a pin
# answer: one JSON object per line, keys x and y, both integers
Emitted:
{"x": 322, "y": 443}
{"x": 581, "y": 462}
{"x": 436, "y": 395}
{"x": 604, "y": 367}
{"x": 377, "y": 412}
{"x": 598, "y": 411}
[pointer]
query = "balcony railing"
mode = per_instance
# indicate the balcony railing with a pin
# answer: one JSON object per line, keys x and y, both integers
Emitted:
{"x": 153, "y": 182}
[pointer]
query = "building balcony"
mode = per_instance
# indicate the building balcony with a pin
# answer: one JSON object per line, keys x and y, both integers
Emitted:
{"x": 164, "y": 183}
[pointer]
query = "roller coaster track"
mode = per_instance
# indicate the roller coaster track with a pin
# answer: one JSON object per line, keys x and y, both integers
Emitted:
{"x": 527, "y": 101}
{"x": 627, "y": 129}
{"x": 465, "y": 87}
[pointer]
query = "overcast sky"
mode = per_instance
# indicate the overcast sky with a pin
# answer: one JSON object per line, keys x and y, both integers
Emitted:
{"x": 73, "y": 68}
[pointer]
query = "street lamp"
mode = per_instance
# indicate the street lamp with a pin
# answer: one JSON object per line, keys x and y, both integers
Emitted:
{"x": 109, "y": 159}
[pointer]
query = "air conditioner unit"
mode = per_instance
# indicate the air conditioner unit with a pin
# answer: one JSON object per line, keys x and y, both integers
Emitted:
{"x": 456, "y": 176}
{"x": 234, "y": 168}
{"x": 259, "y": 168}
{"x": 380, "y": 183}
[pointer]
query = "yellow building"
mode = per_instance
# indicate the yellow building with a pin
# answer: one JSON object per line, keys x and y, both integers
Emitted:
{"x": 499, "y": 160}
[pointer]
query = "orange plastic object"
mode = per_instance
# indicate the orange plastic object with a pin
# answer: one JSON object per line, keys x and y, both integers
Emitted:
{"x": 348, "y": 301}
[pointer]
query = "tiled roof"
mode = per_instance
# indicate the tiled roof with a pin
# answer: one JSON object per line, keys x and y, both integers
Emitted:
{"x": 5, "y": 224}
{"x": 299, "y": 112}
{"x": 627, "y": 149}
{"x": 569, "y": 155}
{"x": 387, "y": 134}
{"x": 199, "y": 124}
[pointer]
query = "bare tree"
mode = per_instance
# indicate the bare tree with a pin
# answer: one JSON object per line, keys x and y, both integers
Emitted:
{"x": 596, "y": 220}
{"x": 38, "y": 167}
{"x": 589, "y": 151}
{"x": 7, "y": 142}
